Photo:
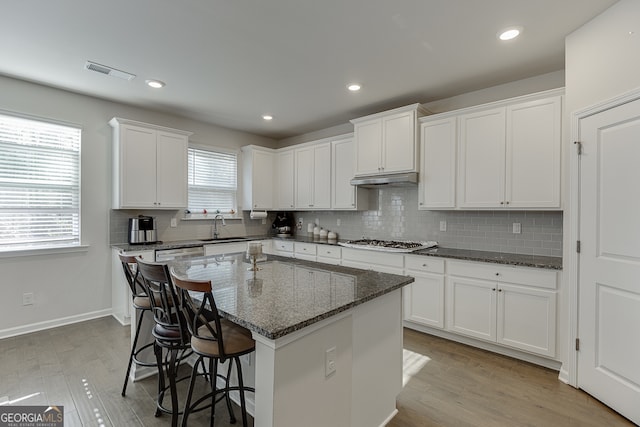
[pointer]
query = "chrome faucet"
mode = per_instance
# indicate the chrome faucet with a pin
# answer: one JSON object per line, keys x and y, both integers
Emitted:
{"x": 215, "y": 224}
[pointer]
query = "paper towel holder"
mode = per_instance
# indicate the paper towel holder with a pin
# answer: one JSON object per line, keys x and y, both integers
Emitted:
{"x": 257, "y": 214}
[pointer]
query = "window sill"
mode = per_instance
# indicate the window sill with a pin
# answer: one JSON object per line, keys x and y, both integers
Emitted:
{"x": 43, "y": 251}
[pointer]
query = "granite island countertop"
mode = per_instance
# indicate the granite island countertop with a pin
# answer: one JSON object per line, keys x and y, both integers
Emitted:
{"x": 287, "y": 294}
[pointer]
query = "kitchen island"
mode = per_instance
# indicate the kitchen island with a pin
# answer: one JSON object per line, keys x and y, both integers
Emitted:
{"x": 328, "y": 338}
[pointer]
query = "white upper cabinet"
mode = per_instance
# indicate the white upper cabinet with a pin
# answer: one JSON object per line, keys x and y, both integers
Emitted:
{"x": 534, "y": 141}
{"x": 510, "y": 156}
{"x": 313, "y": 176}
{"x": 285, "y": 178}
{"x": 482, "y": 157}
{"x": 257, "y": 177}
{"x": 386, "y": 142}
{"x": 345, "y": 196}
{"x": 437, "y": 185}
{"x": 149, "y": 166}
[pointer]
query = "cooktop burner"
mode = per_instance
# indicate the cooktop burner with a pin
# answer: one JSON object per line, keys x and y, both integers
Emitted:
{"x": 388, "y": 245}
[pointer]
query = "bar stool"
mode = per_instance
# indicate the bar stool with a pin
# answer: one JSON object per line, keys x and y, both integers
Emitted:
{"x": 213, "y": 338}
{"x": 171, "y": 332}
{"x": 142, "y": 305}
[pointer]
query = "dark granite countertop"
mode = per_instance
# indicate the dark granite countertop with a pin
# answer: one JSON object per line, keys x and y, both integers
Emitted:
{"x": 549, "y": 262}
{"x": 176, "y": 244}
{"x": 537, "y": 261}
{"x": 288, "y": 294}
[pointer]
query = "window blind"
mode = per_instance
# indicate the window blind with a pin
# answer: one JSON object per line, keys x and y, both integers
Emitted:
{"x": 212, "y": 180}
{"x": 39, "y": 184}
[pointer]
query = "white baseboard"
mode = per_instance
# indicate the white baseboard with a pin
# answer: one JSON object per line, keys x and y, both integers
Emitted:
{"x": 49, "y": 324}
{"x": 389, "y": 418}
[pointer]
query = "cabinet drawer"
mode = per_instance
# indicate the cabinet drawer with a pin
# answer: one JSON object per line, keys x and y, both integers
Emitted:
{"x": 305, "y": 248}
{"x": 282, "y": 246}
{"x": 327, "y": 251}
{"x": 505, "y": 273}
{"x": 424, "y": 263}
{"x": 373, "y": 258}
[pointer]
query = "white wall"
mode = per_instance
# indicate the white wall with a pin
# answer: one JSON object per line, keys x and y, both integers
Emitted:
{"x": 75, "y": 286}
{"x": 602, "y": 58}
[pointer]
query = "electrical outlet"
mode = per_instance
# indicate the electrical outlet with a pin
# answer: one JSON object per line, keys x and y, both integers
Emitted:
{"x": 27, "y": 298}
{"x": 338, "y": 222}
{"x": 174, "y": 222}
{"x": 330, "y": 362}
{"x": 443, "y": 225}
{"x": 317, "y": 222}
{"x": 517, "y": 228}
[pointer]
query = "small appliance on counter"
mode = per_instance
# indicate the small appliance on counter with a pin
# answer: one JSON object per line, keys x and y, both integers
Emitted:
{"x": 142, "y": 230}
{"x": 283, "y": 224}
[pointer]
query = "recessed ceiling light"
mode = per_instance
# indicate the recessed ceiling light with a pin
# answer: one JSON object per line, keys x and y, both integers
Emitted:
{"x": 354, "y": 87}
{"x": 509, "y": 33}
{"x": 267, "y": 117}
{"x": 156, "y": 84}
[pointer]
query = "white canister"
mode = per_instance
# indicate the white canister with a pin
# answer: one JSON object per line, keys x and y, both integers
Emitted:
{"x": 316, "y": 231}
{"x": 332, "y": 236}
{"x": 323, "y": 233}
{"x": 310, "y": 227}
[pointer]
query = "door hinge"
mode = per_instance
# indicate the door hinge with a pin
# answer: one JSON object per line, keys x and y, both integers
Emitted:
{"x": 577, "y": 344}
{"x": 578, "y": 246}
{"x": 578, "y": 147}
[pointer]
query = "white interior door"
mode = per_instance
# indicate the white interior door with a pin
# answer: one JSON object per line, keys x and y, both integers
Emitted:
{"x": 609, "y": 272}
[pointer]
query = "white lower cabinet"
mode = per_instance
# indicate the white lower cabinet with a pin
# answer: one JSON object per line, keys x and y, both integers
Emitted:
{"x": 515, "y": 307}
{"x": 329, "y": 254}
{"x": 120, "y": 291}
{"x": 306, "y": 251}
{"x": 225, "y": 248}
{"x": 384, "y": 262}
{"x": 282, "y": 248}
{"x": 424, "y": 298}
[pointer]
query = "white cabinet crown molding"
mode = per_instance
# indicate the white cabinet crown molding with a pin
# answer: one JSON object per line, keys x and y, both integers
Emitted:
{"x": 117, "y": 121}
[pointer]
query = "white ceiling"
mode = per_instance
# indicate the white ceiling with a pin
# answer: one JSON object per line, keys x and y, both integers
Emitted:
{"x": 229, "y": 62}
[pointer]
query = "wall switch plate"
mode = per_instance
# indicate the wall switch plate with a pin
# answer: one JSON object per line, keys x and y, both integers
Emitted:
{"x": 517, "y": 228}
{"x": 330, "y": 362}
{"x": 174, "y": 222}
{"x": 443, "y": 225}
{"x": 27, "y": 298}
{"x": 338, "y": 222}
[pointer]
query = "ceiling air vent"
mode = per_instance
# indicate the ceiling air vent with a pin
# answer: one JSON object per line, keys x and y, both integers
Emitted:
{"x": 109, "y": 71}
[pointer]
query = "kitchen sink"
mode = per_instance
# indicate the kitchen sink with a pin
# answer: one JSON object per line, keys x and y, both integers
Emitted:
{"x": 226, "y": 239}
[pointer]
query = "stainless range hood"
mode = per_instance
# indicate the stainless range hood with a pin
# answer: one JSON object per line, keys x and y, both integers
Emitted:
{"x": 393, "y": 180}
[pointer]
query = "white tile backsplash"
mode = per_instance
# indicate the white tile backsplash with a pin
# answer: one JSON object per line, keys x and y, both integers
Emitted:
{"x": 395, "y": 215}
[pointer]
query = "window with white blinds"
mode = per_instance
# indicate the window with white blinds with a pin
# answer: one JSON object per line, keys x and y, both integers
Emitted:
{"x": 213, "y": 179}
{"x": 39, "y": 184}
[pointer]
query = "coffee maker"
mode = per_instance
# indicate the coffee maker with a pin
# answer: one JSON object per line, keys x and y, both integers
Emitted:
{"x": 142, "y": 230}
{"x": 283, "y": 224}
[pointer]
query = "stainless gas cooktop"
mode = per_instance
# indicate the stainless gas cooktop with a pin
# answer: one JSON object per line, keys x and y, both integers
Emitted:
{"x": 388, "y": 245}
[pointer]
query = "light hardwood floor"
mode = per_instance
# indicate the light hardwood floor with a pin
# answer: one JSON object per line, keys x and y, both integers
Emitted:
{"x": 81, "y": 366}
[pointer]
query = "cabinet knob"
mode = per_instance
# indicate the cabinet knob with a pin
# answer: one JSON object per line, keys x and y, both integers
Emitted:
{"x": 499, "y": 290}
{"x": 497, "y": 274}
{"x": 507, "y": 202}
{"x": 493, "y": 289}
{"x": 502, "y": 203}
{"x": 424, "y": 265}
